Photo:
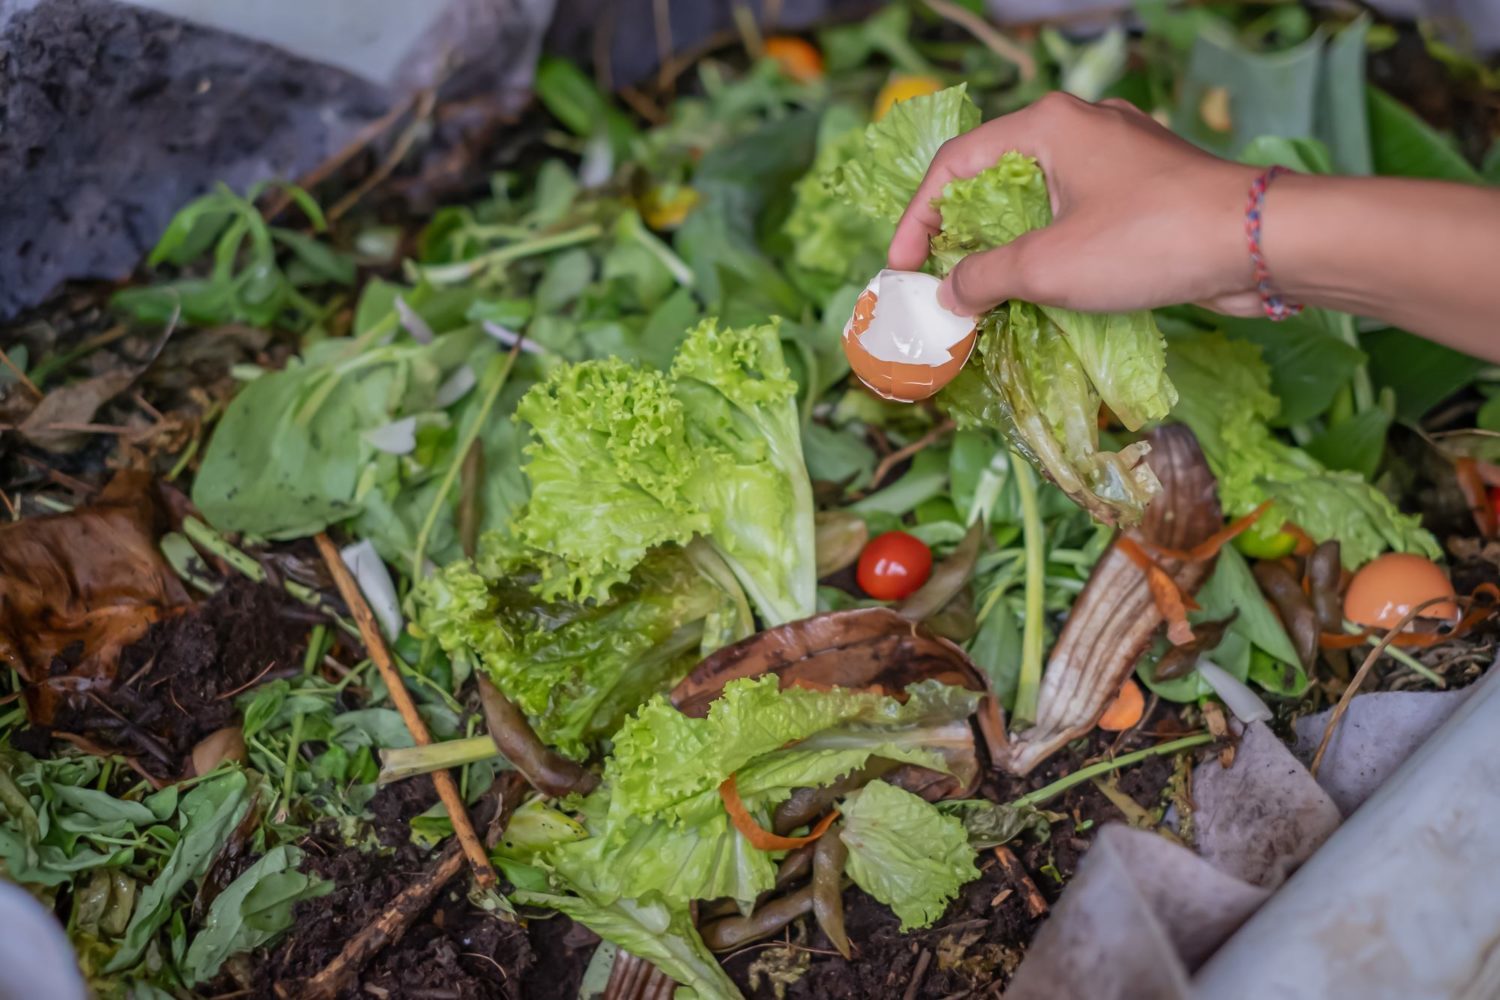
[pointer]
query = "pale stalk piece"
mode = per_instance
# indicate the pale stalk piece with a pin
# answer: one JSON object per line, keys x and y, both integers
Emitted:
{"x": 410, "y": 762}
{"x": 1364, "y": 671}
{"x": 369, "y": 630}
{"x": 988, "y": 35}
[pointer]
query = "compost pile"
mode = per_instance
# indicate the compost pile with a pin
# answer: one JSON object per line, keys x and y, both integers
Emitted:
{"x": 560, "y": 500}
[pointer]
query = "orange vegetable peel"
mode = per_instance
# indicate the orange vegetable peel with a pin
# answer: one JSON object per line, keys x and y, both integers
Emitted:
{"x": 759, "y": 836}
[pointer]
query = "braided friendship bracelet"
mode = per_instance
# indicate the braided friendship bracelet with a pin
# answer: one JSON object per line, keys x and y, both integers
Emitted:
{"x": 1277, "y": 308}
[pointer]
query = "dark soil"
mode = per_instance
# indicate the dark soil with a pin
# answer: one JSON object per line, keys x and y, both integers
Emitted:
{"x": 981, "y": 939}
{"x": 453, "y": 951}
{"x": 179, "y": 683}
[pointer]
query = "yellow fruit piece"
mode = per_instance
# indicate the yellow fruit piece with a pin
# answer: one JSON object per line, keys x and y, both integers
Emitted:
{"x": 664, "y": 208}
{"x": 903, "y": 87}
{"x": 798, "y": 58}
{"x": 1213, "y": 108}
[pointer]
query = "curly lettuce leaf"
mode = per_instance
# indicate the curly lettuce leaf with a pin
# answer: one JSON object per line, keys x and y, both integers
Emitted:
{"x": 577, "y": 669}
{"x": 828, "y": 236}
{"x": 905, "y": 853}
{"x": 883, "y": 176}
{"x": 740, "y": 405}
{"x": 609, "y": 464}
{"x": 1225, "y": 397}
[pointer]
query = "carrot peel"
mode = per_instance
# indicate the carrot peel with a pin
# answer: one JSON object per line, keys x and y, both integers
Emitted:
{"x": 759, "y": 836}
{"x": 1210, "y": 546}
{"x": 1169, "y": 599}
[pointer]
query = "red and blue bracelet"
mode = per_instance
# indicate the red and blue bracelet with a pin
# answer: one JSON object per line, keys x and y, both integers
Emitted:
{"x": 1276, "y": 306}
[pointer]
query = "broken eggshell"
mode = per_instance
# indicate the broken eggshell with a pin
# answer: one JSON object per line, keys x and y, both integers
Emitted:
{"x": 900, "y": 342}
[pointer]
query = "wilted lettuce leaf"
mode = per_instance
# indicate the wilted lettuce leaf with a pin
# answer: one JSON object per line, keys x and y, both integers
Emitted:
{"x": 647, "y": 928}
{"x": 1044, "y": 370}
{"x": 578, "y": 668}
{"x": 626, "y": 458}
{"x": 905, "y": 853}
{"x": 1225, "y": 398}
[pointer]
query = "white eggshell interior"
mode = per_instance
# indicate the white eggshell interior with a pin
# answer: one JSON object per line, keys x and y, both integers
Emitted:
{"x": 909, "y": 326}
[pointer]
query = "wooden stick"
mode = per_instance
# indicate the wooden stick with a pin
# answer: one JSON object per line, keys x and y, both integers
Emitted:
{"x": 374, "y": 642}
{"x": 1035, "y": 904}
{"x": 393, "y": 921}
{"x": 426, "y": 101}
{"x": 900, "y": 455}
{"x": 19, "y": 374}
{"x": 987, "y": 34}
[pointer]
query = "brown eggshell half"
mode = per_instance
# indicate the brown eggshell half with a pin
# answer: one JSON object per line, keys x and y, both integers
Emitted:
{"x": 1386, "y": 588}
{"x": 896, "y": 380}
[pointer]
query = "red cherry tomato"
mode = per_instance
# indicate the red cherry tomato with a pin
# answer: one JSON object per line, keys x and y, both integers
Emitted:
{"x": 893, "y": 566}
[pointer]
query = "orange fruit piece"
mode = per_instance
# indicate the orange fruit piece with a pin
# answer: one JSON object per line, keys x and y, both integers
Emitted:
{"x": 1126, "y": 710}
{"x": 797, "y": 57}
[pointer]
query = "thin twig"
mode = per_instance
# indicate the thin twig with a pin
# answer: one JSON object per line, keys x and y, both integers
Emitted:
{"x": 248, "y": 684}
{"x": 661, "y": 21}
{"x": 987, "y": 34}
{"x": 374, "y": 130}
{"x": 900, "y": 455}
{"x": 19, "y": 374}
{"x": 426, "y": 101}
{"x": 1036, "y": 904}
{"x": 10, "y": 508}
{"x": 1363, "y": 672}
{"x": 923, "y": 961}
{"x": 374, "y": 642}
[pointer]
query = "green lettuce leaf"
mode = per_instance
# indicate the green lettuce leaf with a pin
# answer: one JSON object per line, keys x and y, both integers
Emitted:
{"x": 743, "y": 424}
{"x": 906, "y": 853}
{"x": 828, "y": 235}
{"x": 881, "y": 179}
{"x": 577, "y": 669}
{"x": 625, "y": 459}
{"x": 1225, "y": 398}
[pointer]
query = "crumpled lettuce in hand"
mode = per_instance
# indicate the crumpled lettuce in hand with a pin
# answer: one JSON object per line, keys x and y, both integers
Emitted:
{"x": 1043, "y": 371}
{"x": 625, "y": 459}
{"x": 1226, "y": 399}
{"x": 578, "y": 669}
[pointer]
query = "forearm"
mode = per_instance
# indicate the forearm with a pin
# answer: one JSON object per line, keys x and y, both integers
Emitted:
{"x": 1419, "y": 255}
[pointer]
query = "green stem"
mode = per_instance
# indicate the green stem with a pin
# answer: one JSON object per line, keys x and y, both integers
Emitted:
{"x": 412, "y": 761}
{"x": 314, "y": 652}
{"x": 1404, "y": 658}
{"x": 1029, "y": 684}
{"x": 1364, "y": 390}
{"x": 451, "y": 274}
{"x": 211, "y": 541}
{"x": 1036, "y": 798}
{"x": 495, "y": 376}
{"x": 290, "y": 772}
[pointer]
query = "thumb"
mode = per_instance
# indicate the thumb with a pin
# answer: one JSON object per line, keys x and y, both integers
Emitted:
{"x": 981, "y": 281}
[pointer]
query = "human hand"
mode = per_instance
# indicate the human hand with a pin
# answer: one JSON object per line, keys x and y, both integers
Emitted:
{"x": 1141, "y": 218}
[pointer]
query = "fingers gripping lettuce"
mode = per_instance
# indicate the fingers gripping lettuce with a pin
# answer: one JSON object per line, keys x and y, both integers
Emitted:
{"x": 1043, "y": 371}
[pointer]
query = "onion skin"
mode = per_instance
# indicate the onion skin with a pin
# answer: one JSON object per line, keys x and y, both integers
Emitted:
{"x": 1115, "y": 617}
{"x": 731, "y": 932}
{"x": 1294, "y": 607}
{"x": 548, "y": 772}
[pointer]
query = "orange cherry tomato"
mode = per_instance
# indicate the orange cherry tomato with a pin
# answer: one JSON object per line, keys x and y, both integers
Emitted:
{"x": 893, "y": 565}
